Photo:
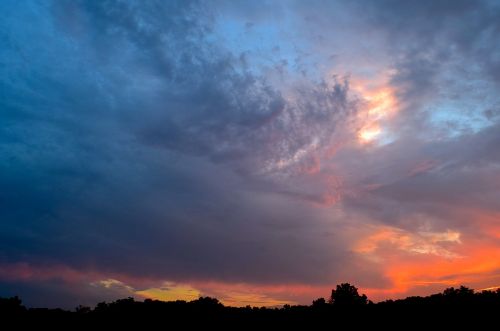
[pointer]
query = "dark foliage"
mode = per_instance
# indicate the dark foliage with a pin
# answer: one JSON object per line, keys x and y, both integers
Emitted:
{"x": 346, "y": 294}
{"x": 346, "y": 307}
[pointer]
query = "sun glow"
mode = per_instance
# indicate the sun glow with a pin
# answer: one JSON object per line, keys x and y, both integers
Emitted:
{"x": 382, "y": 102}
{"x": 380, "y": 106}
{"x": 369, "y": 134}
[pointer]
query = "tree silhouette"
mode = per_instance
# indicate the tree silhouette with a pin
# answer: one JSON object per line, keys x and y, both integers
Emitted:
{"x": 461, "y": 295}
{"x": 11, "y": 305}
{"x": 346, "y": 294}
{"x": 453, "y": 305}
{"x": 320, "y": 302}
{"x": 461, "y": 292}
{"x": 83, "y": 309}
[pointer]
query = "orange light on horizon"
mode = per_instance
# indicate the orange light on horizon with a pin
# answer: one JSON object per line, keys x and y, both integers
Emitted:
{"x": 422, "y": 263}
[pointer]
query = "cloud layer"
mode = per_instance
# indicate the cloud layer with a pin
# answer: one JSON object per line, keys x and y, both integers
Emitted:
{"x": 258, "y": 153}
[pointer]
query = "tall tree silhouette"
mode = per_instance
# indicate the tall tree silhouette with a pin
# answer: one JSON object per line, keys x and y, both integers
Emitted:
{"x": 346, "y": 294}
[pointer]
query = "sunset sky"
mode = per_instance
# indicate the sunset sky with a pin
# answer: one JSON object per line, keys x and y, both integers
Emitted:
{"x": 260, "y": 152}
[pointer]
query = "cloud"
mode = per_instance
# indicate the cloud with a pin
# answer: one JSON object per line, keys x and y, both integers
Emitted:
{"x": 133, "y": 151}
{"x": 191, "y": 144}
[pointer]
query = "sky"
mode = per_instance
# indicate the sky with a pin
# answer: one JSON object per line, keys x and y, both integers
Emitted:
{"x": 260, "y": 152}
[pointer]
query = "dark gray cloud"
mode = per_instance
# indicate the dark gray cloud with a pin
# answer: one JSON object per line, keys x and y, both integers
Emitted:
{"x": 108, "y": 160}
{"x": 56, "y": 293}
{"x": 145, "y": 139}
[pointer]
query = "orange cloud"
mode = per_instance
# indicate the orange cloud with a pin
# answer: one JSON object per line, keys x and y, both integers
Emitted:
{"x": 423, "y": 242}
{"x": 425, "y": 262}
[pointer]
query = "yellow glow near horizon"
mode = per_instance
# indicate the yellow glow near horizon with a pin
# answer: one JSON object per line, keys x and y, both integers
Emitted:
{"x": 170, "y": 292}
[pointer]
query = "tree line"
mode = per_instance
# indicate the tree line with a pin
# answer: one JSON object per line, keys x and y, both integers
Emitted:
{"x": 345, "y": 304}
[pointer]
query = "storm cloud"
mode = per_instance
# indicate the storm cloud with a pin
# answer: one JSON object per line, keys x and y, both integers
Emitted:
{"x": 226, "y": 147}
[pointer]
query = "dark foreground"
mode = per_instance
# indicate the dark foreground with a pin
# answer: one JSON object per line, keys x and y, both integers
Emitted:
{"x": 345, "y": 309}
